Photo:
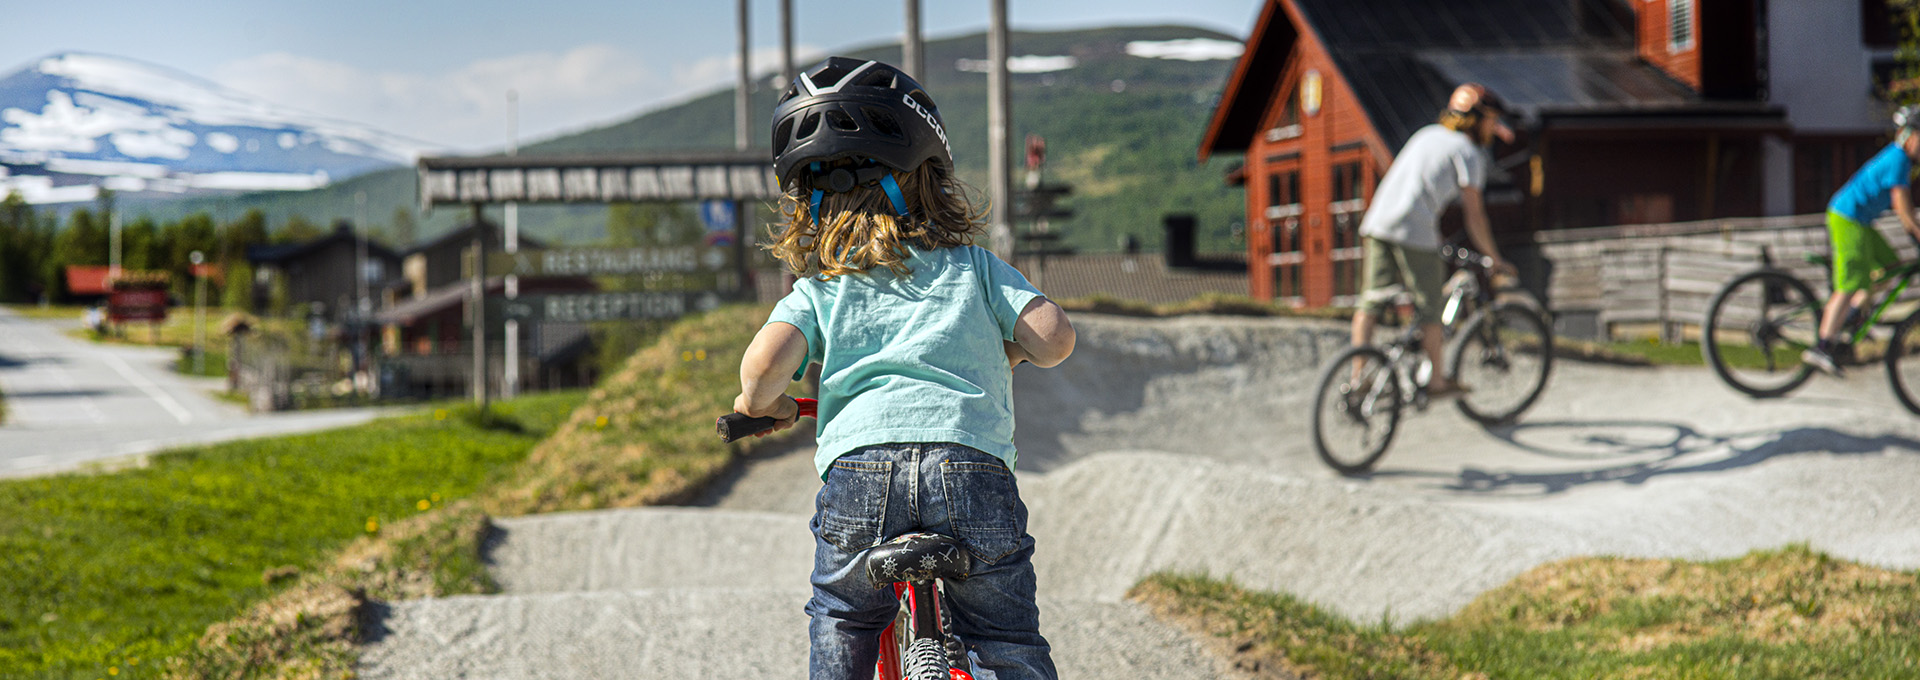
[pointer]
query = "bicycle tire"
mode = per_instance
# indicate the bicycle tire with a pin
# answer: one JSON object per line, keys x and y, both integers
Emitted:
{"x": 927, "y": 660}
{"x": 1723, "y": 319}
{"x": 1384, "y": 400}
{"x": 1904, "y": 387}
{"x": 1493, "y": 339}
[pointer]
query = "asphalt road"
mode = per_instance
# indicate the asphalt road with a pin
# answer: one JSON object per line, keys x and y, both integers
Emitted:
{"x": 72, "y": 403}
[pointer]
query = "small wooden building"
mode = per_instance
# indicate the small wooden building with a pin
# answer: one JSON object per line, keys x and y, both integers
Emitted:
{"x": 1629, "y": 112}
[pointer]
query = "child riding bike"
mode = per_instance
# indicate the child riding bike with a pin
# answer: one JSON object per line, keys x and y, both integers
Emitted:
{"x": 916, "y": 332}
{"x": 1859, "y": 252}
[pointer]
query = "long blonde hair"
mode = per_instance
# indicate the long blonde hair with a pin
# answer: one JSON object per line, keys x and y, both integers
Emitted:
{"x": 859, "y": 229}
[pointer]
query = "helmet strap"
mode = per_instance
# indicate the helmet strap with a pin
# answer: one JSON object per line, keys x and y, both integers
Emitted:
{"x": 893, "y": 194}
{"x": 816, "y": 205}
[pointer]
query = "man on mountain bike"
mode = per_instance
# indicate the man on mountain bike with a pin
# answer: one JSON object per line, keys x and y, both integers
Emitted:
{"x": 1859, "y": 252}
{"x": 1440, "y": 162}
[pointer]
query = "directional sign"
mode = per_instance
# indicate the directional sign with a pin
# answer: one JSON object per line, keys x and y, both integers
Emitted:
{"x": 610, "y": 261}
{"x": 585, "y": 307}
{"x": 741, "y": 175}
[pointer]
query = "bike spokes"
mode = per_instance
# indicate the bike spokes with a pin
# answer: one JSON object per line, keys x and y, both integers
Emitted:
{"x": 1356, "y": 410}
{"x": 1755, "y": 330}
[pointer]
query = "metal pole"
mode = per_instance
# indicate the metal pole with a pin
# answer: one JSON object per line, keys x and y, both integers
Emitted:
{"x": 913, "y": 55}
{"x": 999, "y": 115}
{"x": 786, "y": 43}
{"x": 741, "y": 103}
{"x": 477, "y": 302}
{"x": 113, "y": 253}
{"x": 199, "y": 314}
{"x": 510, "y": 372}
{"x": 361, "y": 304}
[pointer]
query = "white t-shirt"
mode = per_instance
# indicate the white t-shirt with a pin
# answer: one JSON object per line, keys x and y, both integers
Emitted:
{"x": 1424, "y": 179}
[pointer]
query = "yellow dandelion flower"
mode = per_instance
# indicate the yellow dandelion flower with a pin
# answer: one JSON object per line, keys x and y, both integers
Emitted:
{"x": 686, "y": 355}
{"x": 435, "y": 498}
{"x": 423, "y": 504}
{"x": 113, "y": 670}
{"x": 439, "y": 414}
{"x": 700, "y": 355}
{"x": 373, "y": 525}
{"x": 600, "y": 422}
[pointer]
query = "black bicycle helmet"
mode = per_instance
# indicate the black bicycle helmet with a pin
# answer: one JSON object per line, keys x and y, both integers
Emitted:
{"x": 854, "y": 108}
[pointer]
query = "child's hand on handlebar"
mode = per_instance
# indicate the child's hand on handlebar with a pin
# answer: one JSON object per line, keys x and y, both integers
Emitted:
{"x": 785, "y": 412}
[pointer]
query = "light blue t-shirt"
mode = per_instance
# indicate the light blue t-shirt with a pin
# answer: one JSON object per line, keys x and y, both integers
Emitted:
{"x": 1870, "y": 191}
{"x": 914, "y": 359}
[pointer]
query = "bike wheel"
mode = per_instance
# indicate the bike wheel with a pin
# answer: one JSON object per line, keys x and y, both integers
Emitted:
{"x": 1503, "y": 356}
{"x": 1903, "y": 363}
{"x": 1356, "y": 410}
{"x": 927, "y": 660}
{"x": 1756, "y": 328}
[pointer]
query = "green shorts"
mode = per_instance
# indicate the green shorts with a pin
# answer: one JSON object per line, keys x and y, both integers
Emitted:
{"x": 1389, "y": 265}
{"x": 1859, "y": 253}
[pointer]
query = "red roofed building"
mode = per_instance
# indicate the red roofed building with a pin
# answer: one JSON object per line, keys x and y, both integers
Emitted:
{"x": 1630, "y": 111}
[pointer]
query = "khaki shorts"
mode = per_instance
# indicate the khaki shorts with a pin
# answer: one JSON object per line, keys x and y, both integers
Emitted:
{"x": 1389, "y": 267}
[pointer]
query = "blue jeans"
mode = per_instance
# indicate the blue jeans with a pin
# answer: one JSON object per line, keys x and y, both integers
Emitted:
{"x": 878, "y": 492}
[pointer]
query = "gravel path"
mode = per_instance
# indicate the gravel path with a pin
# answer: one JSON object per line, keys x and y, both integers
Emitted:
{"x": 1181, "y": 444}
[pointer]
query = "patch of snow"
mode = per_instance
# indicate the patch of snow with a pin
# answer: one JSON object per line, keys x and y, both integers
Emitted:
{"x": 80, "y": 166}
{"x": 124, "y": 183}
{"x": 1021, "y": 64}
{"x": 255, "y": 181}
{"x": 1186, "y": 49}
{"x": 223, "y": 142}
{"x": 38, "y": 189}
{"x": 288, "y": 139}
{"x": 171, "y": 143}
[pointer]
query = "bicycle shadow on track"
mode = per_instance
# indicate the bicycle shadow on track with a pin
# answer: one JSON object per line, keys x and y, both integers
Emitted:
{"x": 1657, "y": 449}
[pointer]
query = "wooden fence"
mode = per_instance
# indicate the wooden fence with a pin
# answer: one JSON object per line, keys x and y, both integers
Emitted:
{"x": 1626, "y": 281}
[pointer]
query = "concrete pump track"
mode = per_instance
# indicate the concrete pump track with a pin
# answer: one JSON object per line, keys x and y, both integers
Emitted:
{"x": 1183, "y": 444}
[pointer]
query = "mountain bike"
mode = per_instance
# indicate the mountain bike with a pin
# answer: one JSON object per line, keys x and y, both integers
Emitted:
{"x": 919, "y": 644}
{"x": 1502, "y": 351}
{"x": 1757, "y": 325}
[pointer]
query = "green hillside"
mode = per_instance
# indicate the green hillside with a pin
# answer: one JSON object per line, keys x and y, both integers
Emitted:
{"x": 1124, "y": 130}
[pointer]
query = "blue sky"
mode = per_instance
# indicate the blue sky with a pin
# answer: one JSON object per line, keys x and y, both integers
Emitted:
{"x": 439, "y": 71}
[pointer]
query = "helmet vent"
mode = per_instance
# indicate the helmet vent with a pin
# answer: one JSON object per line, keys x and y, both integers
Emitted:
{"x": 831, "y": 75}
{"x": 839, "y": 120}
{"x": 879, "y": 77}
{"x": 782, "y": 136}
{"x": 920, "y": 97}
{"x": 881, "y": 122}
{"x": 808, "y": 126}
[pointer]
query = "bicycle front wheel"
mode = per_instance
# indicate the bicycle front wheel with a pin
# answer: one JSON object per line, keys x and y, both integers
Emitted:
{"x": 1755, "y": 329}
{"x": 1903, "y": 363}
{"x": 1502, "y": 356}
{"x": 1356, "y": 410}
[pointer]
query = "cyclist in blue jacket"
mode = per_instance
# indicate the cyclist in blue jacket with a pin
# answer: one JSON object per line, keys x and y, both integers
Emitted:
{"x": 1859, "y": 252}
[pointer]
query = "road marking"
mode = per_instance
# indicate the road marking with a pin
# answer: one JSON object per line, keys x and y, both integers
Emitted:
{"x": 166, "y": 400}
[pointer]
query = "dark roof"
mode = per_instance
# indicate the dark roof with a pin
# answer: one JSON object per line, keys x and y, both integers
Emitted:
{"x": 1142, "y": 277}
{"x": 464, "y": 232}
{"x": 292, "y": 251}
{"x": 1401, "y": 58}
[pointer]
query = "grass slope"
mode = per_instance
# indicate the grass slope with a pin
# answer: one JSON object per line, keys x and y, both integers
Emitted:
{"x": 644, "y": 436}
{"x": 106, "y": 574}
{"x": 1789, "y": 613}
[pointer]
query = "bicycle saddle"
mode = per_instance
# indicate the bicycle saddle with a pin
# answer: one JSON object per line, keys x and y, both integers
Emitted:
{"x": 917, "y": 557}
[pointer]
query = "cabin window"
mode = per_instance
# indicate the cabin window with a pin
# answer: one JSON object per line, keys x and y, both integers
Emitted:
{"x": 1679, "y": 25}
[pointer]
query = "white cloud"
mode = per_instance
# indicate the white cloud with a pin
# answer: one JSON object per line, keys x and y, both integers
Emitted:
{"x": 466, "y": 108}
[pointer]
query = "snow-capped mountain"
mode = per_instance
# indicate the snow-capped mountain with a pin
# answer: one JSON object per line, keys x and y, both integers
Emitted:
{"x": 72, "y": 122}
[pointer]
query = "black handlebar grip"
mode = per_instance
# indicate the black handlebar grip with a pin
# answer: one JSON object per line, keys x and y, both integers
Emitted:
{"x": 734, "y": 426}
